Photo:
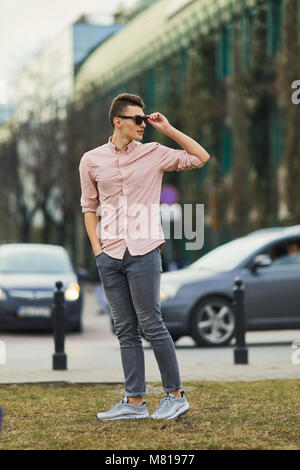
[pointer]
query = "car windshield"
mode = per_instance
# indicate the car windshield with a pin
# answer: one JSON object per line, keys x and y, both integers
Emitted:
{"x": 34, "y": 261}
{"x": 229, "y": 255}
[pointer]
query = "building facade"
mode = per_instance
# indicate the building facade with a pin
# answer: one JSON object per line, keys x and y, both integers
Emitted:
{"x": 222, "y": 71}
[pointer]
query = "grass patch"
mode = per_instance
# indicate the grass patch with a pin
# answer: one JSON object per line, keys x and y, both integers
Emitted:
{"x": 223, "y": 415}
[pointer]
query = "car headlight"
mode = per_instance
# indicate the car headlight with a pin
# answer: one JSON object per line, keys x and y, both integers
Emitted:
{"x": 168, "y": 291}
{"x": 3, "y": 294}
{"x": 72, "y": 292}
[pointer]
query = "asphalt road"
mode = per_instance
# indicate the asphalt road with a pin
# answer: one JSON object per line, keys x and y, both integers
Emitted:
{"x": 96, "y": 347}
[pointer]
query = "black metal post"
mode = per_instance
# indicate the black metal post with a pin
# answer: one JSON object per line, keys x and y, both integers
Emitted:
{"x": 240, "y": 350}
{"x": 58, "y": 315}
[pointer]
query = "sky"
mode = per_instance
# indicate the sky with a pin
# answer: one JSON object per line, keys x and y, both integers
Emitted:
{"x": 27, "y": 26}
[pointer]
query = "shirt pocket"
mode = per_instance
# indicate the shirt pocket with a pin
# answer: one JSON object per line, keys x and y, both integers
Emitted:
{"x": 143, "y": 175}
{"x": 108, "y": 181}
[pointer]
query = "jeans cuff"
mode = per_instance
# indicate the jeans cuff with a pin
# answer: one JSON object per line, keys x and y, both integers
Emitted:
{"x": 137, "y": 394}
{"x": 172, "y": 389}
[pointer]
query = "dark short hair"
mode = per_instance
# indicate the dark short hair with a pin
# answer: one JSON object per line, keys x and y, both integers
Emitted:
{"x": 121, "y": 102}
{"x": 294, "y": 242}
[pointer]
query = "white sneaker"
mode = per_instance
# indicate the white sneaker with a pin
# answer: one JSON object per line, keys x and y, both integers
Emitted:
{"x": 124, "y": 410}
{"x": 171, "y": 407}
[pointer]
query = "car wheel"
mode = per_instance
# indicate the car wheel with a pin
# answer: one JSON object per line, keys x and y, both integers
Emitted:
{"x": 213, "y": 322}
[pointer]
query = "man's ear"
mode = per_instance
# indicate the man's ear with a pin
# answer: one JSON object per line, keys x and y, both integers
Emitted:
{"x": 116, "y": 121}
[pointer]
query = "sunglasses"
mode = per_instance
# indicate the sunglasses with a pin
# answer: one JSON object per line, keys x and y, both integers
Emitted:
{"x": 138, "y": 119}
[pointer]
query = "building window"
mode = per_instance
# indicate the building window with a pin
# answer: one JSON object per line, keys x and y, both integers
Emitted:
{"x": 246, "y": 38}
{"x": 276, "y": 136}
{"x": 226, "y": 149}
{"x": 273, "y": 26}
{"x": 224, "y": 51}
{"x": 183, "y": 60}
{"x": 150, "y": 89}
{"x": 165, "y": 82}
{"x": 158, "y": 84}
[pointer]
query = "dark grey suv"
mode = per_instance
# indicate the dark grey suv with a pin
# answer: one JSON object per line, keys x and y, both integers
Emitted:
{"x": 197, "y": 300}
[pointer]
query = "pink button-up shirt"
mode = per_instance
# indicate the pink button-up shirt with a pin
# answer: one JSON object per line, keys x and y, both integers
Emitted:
{"x": 124, "y": 187}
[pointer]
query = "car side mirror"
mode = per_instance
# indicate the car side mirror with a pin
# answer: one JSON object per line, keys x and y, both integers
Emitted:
{"x": 261, "y": 261}
{"x": 82, "y": 274}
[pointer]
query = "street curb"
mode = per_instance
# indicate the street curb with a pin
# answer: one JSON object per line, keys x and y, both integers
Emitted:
{"x": 226, "y": 372}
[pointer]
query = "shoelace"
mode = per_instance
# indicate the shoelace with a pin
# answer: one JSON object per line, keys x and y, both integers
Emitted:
{"x": 118, "y": 404}
{"x": 164, "y": 402}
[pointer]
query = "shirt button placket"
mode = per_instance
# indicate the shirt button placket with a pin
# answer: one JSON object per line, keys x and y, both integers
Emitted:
{"x": 122, "y": 176}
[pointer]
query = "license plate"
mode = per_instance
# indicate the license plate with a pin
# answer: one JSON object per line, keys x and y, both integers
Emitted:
{"x": 29, "y": 311}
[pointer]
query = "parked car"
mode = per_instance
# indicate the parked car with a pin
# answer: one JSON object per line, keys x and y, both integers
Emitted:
{"x": 28, "y": 273}
{"x": 197, "y": 301}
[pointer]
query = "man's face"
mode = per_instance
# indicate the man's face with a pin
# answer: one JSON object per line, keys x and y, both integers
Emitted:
{"x": 128, "y": 127}
{"x": 292, "y": 248}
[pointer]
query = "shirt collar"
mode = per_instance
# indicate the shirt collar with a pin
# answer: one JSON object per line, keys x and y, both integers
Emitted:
{"x": 132, "y": 144}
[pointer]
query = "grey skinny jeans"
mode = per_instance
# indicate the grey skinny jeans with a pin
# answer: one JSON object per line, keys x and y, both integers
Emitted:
{"x": 132, "y": 289}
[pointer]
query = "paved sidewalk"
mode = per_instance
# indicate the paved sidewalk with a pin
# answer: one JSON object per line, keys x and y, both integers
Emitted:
{"x": 205, "y": 372}
{"x": 94, "y": 356}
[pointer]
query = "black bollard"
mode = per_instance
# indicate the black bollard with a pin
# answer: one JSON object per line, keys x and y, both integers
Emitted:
{"x": 58, "y": 316}
{"x": 240, "y": 350}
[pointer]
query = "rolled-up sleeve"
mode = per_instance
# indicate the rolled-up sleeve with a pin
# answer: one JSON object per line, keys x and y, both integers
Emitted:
{"x": 177, "y": 160}
{"x": 89, "y": 192}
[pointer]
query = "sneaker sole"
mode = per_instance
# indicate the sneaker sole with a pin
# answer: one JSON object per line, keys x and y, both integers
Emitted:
{"x": 180, "y": 412}
{"x": 144, "y": 415}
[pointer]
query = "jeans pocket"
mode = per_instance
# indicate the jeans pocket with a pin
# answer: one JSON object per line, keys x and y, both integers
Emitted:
{"x": 98, "y": 256}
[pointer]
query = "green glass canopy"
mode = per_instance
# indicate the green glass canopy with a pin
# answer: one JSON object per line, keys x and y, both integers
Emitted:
{"x": 161, "y": 30}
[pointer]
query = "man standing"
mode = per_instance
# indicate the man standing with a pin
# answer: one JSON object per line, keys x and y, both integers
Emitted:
{"x": 123, "y": 178}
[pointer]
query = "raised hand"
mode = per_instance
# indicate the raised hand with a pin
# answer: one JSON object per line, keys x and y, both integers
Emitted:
{"x": 159, "y": 121}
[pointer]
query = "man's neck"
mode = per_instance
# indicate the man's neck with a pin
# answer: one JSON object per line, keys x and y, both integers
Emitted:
{"x": 119, "y": 141}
